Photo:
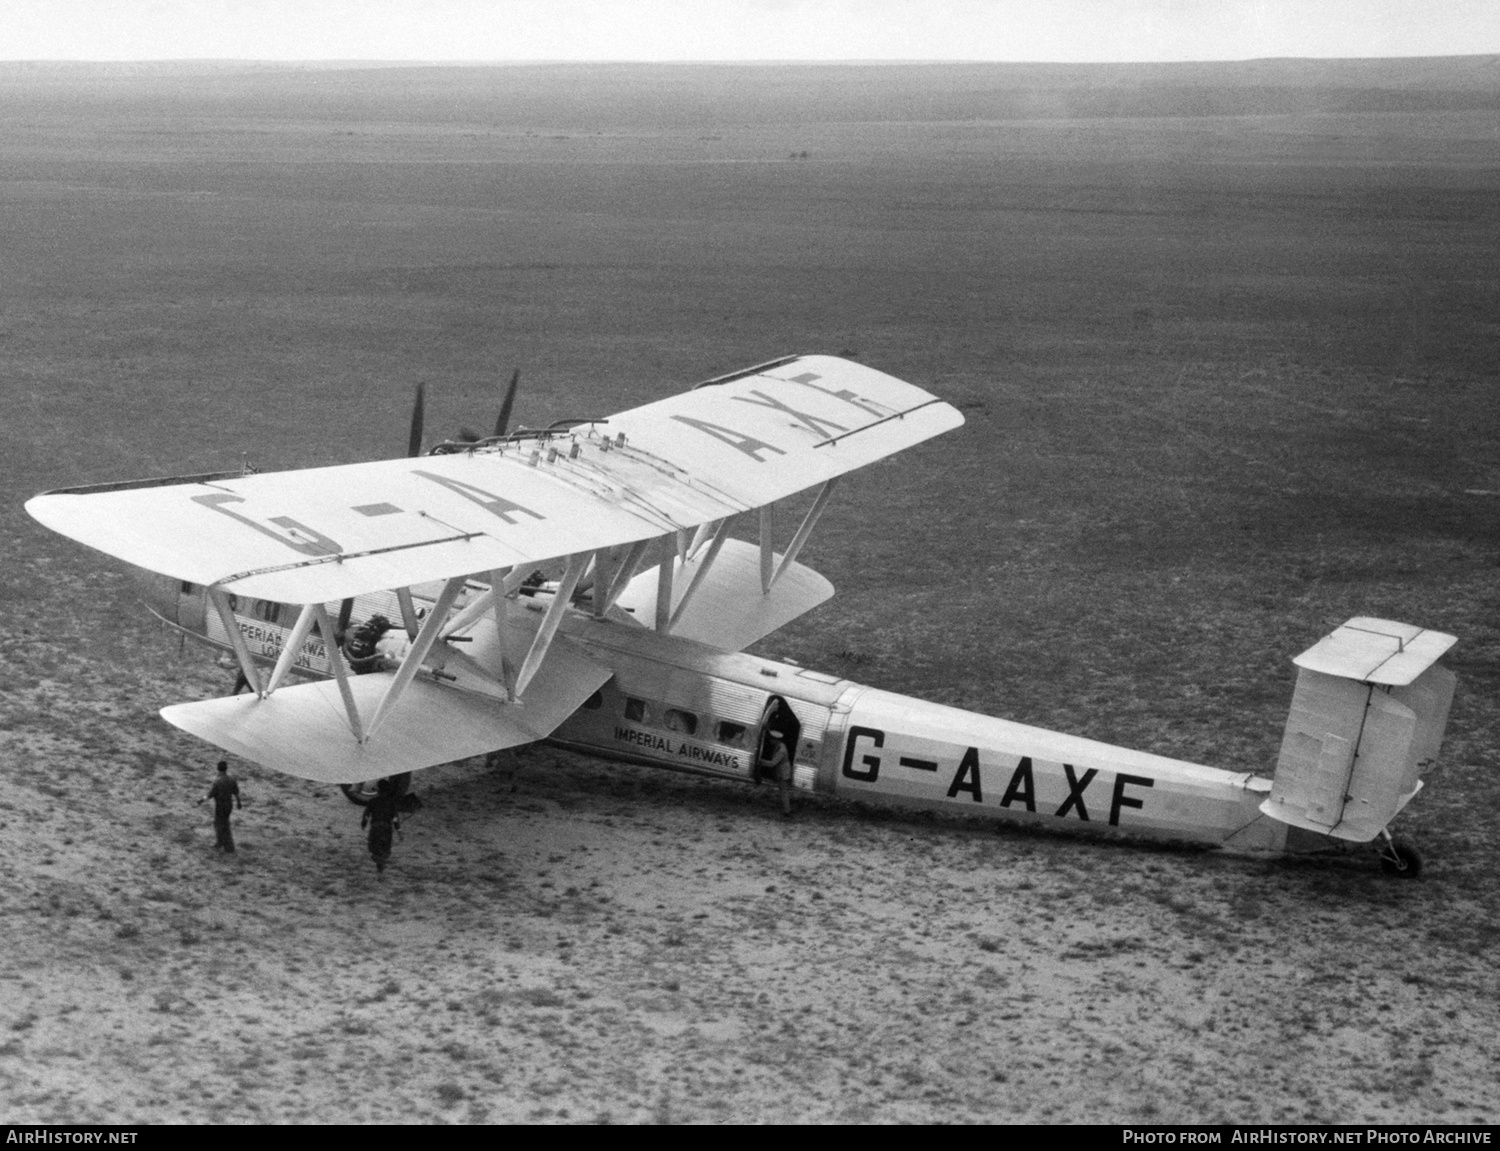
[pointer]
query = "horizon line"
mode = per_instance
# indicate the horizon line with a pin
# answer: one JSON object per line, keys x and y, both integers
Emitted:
{"x": 459, "y": 62}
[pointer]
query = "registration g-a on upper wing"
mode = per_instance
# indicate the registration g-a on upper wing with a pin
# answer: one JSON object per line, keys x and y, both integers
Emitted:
{"x": 324, "y": 534}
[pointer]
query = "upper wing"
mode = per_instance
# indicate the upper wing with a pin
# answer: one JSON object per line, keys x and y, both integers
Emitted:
{"x": 326, "y": 534}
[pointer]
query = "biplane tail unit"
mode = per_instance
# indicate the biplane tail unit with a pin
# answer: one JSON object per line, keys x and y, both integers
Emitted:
{"x": 588, "y": 584}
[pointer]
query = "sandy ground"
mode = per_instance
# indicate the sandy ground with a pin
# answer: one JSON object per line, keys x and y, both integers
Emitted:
{"x": 1229, "y": 381}
{"x": 565, "y": 940}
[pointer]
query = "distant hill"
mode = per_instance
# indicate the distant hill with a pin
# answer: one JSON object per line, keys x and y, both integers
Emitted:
{"x": 599, "y": 96}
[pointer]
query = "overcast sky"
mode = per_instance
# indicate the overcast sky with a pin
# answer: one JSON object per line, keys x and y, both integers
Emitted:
{"x": 1081, "y": 30}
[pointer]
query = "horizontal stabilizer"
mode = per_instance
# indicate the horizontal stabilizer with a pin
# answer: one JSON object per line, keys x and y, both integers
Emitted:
{"x": 1376, "y": 651}
{"x": 304, "y": 730}
{"x": 728, "y": 610}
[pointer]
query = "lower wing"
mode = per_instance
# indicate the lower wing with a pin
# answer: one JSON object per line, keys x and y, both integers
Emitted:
{"x": 304, "y": 730}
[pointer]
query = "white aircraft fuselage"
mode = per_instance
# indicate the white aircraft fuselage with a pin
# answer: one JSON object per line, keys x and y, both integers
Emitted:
{"x": 589, "y": 584}
{"x": 679, "y": 704}
{"x": 875, "y": 746}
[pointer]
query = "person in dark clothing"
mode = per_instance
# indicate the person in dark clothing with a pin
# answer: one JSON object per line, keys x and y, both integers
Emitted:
{"x": 776, "y": 764}
{"x": 224, "y": 792}
{"x": 382, "y": 817}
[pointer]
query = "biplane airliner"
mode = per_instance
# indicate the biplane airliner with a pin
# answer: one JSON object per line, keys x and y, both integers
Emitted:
{"x": 584, "y": 584}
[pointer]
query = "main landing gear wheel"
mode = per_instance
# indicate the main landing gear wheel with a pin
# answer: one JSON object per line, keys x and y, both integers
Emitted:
{"x": 1401, "y": 859}
{"x": 360, "y": 794}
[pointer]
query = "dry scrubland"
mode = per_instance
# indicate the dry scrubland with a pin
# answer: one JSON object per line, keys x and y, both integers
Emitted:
{"x": 1226, "y": 341}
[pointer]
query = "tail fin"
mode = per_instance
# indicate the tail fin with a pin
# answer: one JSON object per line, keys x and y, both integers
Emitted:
{"x": 1367, "y": 716}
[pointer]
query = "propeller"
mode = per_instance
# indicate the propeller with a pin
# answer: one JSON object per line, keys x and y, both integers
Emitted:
{"x": 414, "y": 440}
{"x": 466, "y": 434}
{"x": 502, "y": 424}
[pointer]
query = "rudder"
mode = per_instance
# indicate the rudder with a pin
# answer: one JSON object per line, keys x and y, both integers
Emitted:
{"x": 1367, "y": 716}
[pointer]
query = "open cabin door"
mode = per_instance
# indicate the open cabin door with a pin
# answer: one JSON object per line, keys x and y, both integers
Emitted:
{"x": 778, "y": 723}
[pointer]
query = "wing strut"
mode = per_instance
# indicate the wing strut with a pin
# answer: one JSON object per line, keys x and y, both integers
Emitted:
{"x": 700, "y": 537}
{"x": 809, "y": 522}
{"x": 669, "y": 556}
{"x": 408, "y": 612}
{"x": 602, "y": 575}
{"x": 627, "y": 571}
{"x": 503, "y": 582}
{"x": 236, "y": 637}
{"x": 501, "y": 605}
{"x": 554, "y": 616}
{"x": 340, "y": 672}
{"x": 474, "y": 610}
{"x": 767, "y": 545}
{"x": 432, "y": 627}
{"x": 292, "y": 646}
{"x": 704, "y": 565}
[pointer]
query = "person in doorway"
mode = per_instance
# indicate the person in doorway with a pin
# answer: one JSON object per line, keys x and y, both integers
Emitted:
{"x": 775, "y": 763}
{"x": 224, "y": 792}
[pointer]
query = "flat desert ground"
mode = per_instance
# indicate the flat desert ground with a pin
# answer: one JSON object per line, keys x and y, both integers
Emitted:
{"x": 1226, "y": 341}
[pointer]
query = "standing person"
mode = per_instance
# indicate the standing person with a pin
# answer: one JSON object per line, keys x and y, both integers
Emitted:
{"x": 382, "y": 817}
{"x": 224, "y": 791}
{"x": 775, "y": 763}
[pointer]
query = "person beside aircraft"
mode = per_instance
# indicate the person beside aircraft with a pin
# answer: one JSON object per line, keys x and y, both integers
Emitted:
{"x": 224, "y": 791}
{"x": 382, "y": 817}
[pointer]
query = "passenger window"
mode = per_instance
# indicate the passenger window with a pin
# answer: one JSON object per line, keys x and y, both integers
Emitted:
{"x": 594, "y": 702}
{"x": 637, "y": 710}
{"x": 731, "y": 733}
{"x": 678, "y": 720}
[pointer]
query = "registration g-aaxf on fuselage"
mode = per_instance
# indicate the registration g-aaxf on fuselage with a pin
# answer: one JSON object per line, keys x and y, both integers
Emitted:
{"x": 405, "y": 596}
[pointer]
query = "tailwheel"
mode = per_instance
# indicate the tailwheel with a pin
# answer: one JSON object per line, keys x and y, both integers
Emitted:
{"x": 1400, "y": 858}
